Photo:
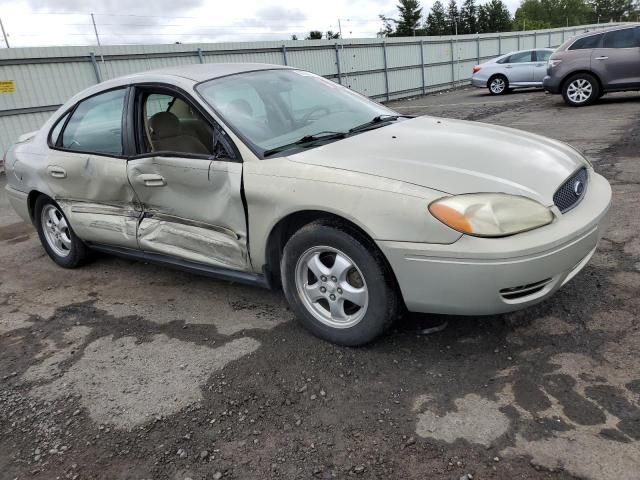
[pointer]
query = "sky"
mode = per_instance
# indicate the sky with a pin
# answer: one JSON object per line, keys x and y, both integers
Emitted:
{"x": 68, "y": 22}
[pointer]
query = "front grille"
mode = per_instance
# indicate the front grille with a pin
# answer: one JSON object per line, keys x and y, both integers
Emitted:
{"x": 571, "y": 191}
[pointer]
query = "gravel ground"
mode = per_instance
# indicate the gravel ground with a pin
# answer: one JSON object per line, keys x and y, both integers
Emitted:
{"x": 131, "y": 371}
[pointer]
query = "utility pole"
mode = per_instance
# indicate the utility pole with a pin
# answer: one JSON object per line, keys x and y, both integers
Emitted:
{"x": 95, "y": 29}
{"x": 340, "y": 28}
{"x": 4, "y": 34}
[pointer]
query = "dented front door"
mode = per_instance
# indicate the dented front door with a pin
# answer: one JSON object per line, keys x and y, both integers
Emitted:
{"x": 192, "y": 209}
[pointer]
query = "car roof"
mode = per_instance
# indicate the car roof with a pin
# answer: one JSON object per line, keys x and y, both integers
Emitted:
{"x": 604, "y": 30}
{"x": 207, "y": 71}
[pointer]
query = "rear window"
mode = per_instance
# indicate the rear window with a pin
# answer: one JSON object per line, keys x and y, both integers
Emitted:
{"x": 543, "y": 55}
{"x": 620, "y": 39}
{"x": 587, "y": 42}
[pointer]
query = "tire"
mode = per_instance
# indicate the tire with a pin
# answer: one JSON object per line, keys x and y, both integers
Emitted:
{"x": 361, "y": 275}
{"x": 57, "y": 238}
{"x": 498, "y": 85}
{"x": 580, "y": 90}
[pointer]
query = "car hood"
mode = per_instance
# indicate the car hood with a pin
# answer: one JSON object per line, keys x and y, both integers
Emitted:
{"x": 454, "y": 156}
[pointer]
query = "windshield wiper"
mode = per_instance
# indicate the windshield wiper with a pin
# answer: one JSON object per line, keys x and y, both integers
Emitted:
{"x": 376, "y": 121}
{"x": 307, "y": 140}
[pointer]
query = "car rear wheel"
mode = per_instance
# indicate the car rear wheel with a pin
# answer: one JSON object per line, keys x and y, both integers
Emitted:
{"x": 580, "y": 90}
{"x": 56, "y": 235}
{"x": 498, "y": 85}
{"x": 338, "y": 285}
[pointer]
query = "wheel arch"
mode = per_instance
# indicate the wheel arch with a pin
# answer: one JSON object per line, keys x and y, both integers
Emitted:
{"x": 31, "y": 202}
{"x": 284, "y": 229}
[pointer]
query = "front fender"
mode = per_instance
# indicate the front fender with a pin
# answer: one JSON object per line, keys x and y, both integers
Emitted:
{"x": 385, "y": 209}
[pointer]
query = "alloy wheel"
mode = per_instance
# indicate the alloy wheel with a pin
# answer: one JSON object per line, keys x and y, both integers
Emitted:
{"x": 497, "y": 85}
{"x": 331, "y": 287}
{"x": 56, "y": 230}
{"x": 580, "y": 90}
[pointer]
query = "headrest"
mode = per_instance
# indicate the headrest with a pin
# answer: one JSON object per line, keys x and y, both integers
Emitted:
{"x": 164, "y": 124}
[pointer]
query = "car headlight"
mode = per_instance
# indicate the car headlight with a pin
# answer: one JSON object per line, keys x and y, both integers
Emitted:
{"x": 490, "y": 214}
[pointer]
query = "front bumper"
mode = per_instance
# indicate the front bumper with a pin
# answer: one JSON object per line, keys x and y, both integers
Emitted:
{"x": 483, "y": 276}
{"x": 551, "y": 84}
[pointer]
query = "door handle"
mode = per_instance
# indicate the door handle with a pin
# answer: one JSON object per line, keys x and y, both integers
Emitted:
{"x": 508, "y": 66}
{"x": 56, "y": 171}
{"x": 601, "y": 58}
{"x": 151, "y": 180}
{"x": 540, "y": 64}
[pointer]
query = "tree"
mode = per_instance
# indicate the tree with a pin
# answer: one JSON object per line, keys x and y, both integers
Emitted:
{"x": 294, "y": 37}
{"x": 494, "y": 17}
{"x": 453, "y": 17}
{"x": 437, "y": 20}
{"x": 610, "y": 10}
{"x": 387, "y": 29}
{"x": 410, "y": 15}
{"x": 314, "y": 35}
{"x": 536, "y": 14}
{"x": 468, "y": 17}
{"x": 332, "y": 36}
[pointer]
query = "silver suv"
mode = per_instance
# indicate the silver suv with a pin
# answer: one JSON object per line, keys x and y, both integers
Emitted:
{"x": 587, "y": 66}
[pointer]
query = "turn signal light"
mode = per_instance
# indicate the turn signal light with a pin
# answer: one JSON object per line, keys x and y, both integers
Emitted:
{"x": 476, "y": 69}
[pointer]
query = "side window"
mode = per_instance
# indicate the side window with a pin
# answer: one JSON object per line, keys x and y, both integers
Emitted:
{"x": 620, "y": 39}
{"x": 55, "y": 131}
{"x": 543, "y": 55}
{"x": 96, "y": 125}
{"x": 171, "y": 124}
{"x": 587, "y": 42}
{"x": 521, "y": 57}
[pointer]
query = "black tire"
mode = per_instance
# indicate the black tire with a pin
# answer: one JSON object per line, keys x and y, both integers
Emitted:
{"x": 498, "y": 85}
{"x": 76, "y": 252}
{"x": 383, "y": 303}
{"x": 583, "y": 82}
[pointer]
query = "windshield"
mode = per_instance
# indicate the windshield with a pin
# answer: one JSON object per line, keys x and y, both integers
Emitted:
{"x": 274, "y": 108}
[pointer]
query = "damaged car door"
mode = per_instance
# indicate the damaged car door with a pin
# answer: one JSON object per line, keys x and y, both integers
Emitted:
{"x": 188, "y": 184}
{"x": 87, "y": 171}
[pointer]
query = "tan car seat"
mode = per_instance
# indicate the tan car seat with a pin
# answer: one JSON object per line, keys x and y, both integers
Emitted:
{"x": 167, "y": 135}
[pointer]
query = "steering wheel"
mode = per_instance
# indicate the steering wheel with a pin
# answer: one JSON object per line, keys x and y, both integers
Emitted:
{"x": 309, "y": 114}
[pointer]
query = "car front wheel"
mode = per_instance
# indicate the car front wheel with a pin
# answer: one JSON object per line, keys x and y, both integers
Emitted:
{"x": 580, "y": 90}
{"x": 337, "y": 284}
{"x": 56, "y": 235}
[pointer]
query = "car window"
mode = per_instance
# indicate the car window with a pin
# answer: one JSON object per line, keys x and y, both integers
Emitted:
{"x": 171, "y": 124}
{"x": 543, "y": 55}
{"x": 620, "y": 39}
{"x": 96, "y": 125}
{"x": 55, "y": 131}
{"x": 587, "y": 42}
{"x": 521, "y": 57}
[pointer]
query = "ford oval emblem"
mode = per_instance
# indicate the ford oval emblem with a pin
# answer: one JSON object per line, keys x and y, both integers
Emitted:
{"x": 578, "y": 188}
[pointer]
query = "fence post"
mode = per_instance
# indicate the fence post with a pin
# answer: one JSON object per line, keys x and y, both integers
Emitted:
{"x": 518, "y": 40}
{"x": 549, "y": 40}
{"x": 284, "y": 55}
{"x": 96, "y": 70}
{"x": 339, "y": 67}
{"x": 424, "y": 83}
{"x": 453, "y": 66}
{"x": 535, "y": 39}
{"x": 200, "y": 55}
{"x": 499, "y": 44}
{"x": 478, "y": 49}
{"x": 386, "y": 69}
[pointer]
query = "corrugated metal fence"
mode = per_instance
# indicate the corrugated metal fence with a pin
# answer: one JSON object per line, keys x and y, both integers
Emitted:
{"x": 382, "y": 69}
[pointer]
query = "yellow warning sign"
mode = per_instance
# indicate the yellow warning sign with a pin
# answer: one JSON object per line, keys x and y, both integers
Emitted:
{"x": 7, "y": 86}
